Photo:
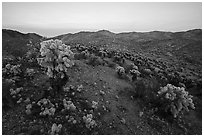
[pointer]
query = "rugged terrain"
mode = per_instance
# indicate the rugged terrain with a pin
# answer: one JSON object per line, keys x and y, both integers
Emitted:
{"x": 124, "y": 106}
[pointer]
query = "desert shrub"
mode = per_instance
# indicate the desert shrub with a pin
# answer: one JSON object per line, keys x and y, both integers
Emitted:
{"x": 30, "y": 73}
{"x": 80, "y": 47}
{"x": 56, "y": 57}
{"x": 129, "y": 66}
{"x": 94, "y": 60}
{"x": 146, "y": 89}
{"x": 109, "y": 63}
{"x": 157, "y": 70}
{"x": 79, "y": 56}
{"x": 199, "y": 83}
{"x": 175, "y": 100}
{"x": 7, "y": 101}
{"x": 118, "y": 59}
{"x": 146, "y": 72}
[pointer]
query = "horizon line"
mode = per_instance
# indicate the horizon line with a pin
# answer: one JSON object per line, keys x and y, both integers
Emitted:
{"x": 100, "y": 30}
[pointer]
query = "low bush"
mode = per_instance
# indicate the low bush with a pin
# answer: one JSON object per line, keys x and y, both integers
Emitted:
{"x": 146, "y": 89}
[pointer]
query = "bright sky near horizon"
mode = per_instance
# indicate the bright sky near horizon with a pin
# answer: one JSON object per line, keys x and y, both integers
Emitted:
{"x": 51, "y": 19}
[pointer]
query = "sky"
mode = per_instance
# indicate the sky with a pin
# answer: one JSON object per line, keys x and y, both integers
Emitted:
{"x": 52, "y": 19}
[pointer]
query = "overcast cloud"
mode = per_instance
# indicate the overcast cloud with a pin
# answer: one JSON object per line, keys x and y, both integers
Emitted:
{"x": 51, "y": 19}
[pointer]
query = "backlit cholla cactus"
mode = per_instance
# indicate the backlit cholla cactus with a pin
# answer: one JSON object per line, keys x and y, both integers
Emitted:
{"x": 102, "y": 53}
{"x": 69, "y": 105}
{"x": 90, "y": 123}
{"x": 55, "y": 129}
{"x": 120, "y": 71}
{"x": 47, "y": 108}
{"x": 177, "y": 99}
{"x": 56, "y": 57}
{"x": 135, "y": 74}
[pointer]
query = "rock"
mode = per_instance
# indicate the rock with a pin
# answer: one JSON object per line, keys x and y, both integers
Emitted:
{"x": 74, "y": 121}
{"x": 141, "y": 114}
{"x": 27, "y": 100}
{"x": 117, "y": 97}
{"x": 42, "y": 131}
{"x": 123, "y": 121}
{"x": 102, "y": 92}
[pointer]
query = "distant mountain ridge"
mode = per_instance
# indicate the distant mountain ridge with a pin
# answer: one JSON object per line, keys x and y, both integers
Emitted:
{"x": 185, "y": 45}
{"x": 17, "y": 34}
{"x": 153, "y": 34}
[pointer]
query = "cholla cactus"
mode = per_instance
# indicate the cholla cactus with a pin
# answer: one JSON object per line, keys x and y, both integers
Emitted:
{"x": 28, "y": 109}
{"x": 90, "y": 123}
{"x": 94, "y": 104}
{"x": 79, "y": 88}
{"x": 134, "y": 67}
{"x": 69, "y": 105}
{"x": 47, "y": 107}
{"x": 15, "y": 91}
{"x": 135, "y": 73}
{"x": 178, "y": 99}
{"x": 85, "y": 53}
{"x": 71, "y": 119}
{"x": 120, "y": 71}
{"x": 102, "y": 53}
{"x": 15, "y": 94}
{"x": 56, "y": 129}
{"x": 56, "y": 57}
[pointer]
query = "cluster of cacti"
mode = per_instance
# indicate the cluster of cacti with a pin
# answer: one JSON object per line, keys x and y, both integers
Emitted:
{"x": 90, "y": 123}
{"x": 119, "y": 58}
{"x": 102, "y": 53}
{"x": 176, "y": 98}
{"x": 79, "y": 88}
{"x": 120, "y": 71}
{"x": 69, "y": 105}
{"x": 134, "y": 72}
{"x": 30, "y": 72}
{"x": 152, "y": 66}
{"x": 85, "y": 53}
{"x": 47, "y": 108}
{"x": 94, "y": 105}
{"x": 71, "y": 119}
{"x": 11, "y": 70}
{"x": 56, "y": 57}
{"x": 15, "y": 94}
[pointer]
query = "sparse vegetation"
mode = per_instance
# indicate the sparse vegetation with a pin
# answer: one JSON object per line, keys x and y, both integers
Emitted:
{"x": 89, "y": 85}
